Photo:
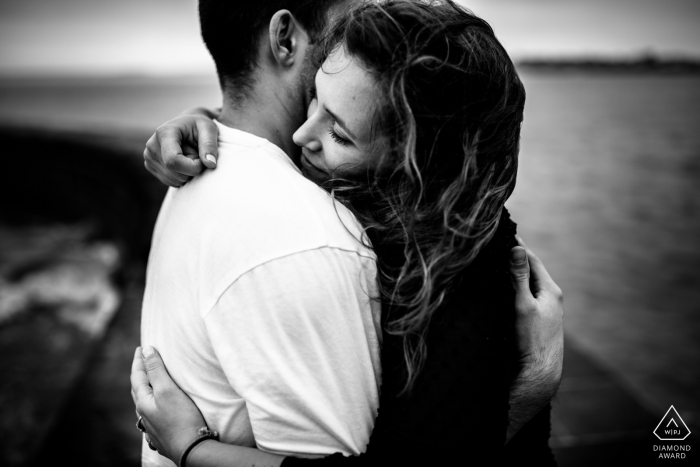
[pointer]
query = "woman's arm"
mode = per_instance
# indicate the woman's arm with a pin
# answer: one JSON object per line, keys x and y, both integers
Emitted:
{"x": 171, "y": 420}
{"x": 215, "y": 454}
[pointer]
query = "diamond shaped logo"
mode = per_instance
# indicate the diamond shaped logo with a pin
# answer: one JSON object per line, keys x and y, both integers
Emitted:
{"x": 672, "y": 427}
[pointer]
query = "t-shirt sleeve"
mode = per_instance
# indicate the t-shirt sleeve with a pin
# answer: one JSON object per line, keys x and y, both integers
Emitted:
{"x": 298, "y": 339}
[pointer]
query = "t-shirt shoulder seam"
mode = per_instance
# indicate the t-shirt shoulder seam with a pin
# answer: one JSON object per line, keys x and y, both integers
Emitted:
{"x": 360, "y": 254}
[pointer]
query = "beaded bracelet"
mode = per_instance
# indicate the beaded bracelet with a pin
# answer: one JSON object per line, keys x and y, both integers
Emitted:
{"x": 203, "y": 434}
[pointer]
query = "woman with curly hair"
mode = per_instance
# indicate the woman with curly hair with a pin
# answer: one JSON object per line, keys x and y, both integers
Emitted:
{"x": 426, "y": 170}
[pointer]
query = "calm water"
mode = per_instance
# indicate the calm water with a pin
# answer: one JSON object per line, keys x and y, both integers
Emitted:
{"x": 103, "y": 105}
{"x": 608, "y": 195}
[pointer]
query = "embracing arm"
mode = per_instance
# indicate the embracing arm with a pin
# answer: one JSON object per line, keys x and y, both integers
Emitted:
{"x": 171, "y": 419}
{"x": 183, "y": 147}
{"x": 539, "y": 323}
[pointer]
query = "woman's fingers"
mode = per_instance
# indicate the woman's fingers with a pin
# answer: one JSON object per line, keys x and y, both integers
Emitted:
{"x": 208, "y": 141}
{"x": 152, "y": 446}
{"x": 162, "y": 174}
{"x": 174, "y": 151}
{"x": 155, "y": 165}
{"x": 157, "y": 374}
{"x": 148, "y": 375}
{"x": 169, "y": 416}
{"x": 171, "y": 138}
{"x": 140, "y": 385}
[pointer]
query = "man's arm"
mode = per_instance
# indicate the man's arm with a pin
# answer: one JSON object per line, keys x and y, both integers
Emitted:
{"x": 297, "y": 340}
{"x": 539, "y": 307}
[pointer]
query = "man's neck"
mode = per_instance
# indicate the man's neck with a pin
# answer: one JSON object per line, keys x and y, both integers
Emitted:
{"x": 270, "y": 112}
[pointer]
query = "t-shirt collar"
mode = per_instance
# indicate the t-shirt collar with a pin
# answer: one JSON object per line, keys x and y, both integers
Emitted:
{"x": 243, "y": 138}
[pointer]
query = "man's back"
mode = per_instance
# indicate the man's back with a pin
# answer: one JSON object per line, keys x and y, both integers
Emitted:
{"x": 258, "y": 298}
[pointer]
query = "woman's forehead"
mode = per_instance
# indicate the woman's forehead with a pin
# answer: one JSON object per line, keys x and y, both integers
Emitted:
{"x": 347, "y": 90}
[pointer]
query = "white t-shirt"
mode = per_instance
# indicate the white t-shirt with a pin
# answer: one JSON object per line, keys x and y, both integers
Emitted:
{"x": 258, "y": 298}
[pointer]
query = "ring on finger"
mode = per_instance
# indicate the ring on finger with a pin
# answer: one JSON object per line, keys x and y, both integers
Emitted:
{"x": 139, "y": 424}
{"x": 151, "y": 446}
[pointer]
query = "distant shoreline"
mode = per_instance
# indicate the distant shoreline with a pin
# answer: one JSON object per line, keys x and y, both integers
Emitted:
{"x": 644, "y": 65}
{"x": 641, "y": 64}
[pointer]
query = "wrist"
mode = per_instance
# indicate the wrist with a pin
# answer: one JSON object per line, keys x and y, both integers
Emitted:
{"x": 204, "y": 434}
{"x": 201, "y": 453}
{"x": 544, "y": 373}
{"x": 545, "y": 365}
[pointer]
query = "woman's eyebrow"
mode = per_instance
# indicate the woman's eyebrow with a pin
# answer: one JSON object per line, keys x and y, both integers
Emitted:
{"x": 340, "y": 123}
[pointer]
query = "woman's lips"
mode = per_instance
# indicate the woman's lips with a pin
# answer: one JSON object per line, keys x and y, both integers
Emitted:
{"x": 308, "y": 165}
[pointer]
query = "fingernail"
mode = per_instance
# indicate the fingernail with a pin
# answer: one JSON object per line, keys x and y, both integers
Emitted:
{"x": 211, "y": 158}
{"x": 518, "y": 256}
{"x": 147, "y": 351}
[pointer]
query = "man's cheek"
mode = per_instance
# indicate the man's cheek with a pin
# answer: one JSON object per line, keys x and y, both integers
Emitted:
{"x": 312, "y": 108}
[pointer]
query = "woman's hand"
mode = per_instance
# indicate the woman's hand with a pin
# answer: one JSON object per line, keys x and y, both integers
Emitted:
{"x": 170, "y": 418}
{"x": 182, "y": 148}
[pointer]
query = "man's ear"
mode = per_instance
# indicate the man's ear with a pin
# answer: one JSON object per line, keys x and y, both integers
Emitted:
{"x": 285, "y": 37}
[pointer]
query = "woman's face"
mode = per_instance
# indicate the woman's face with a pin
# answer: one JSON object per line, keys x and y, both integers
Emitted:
{"x": 337, "y": 138}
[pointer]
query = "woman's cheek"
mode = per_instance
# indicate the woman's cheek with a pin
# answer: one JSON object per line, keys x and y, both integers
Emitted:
{"x": 339, "y": 159}
{"x": 328, "y": 156}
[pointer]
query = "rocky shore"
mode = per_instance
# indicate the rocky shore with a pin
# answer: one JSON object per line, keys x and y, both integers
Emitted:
{"x": 77, "y": 215}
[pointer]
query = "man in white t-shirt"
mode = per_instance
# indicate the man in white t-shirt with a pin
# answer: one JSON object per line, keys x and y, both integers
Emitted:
{"x": 259, "y": 293}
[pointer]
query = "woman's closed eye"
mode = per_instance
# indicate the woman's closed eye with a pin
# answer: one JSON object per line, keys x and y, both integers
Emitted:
{"x": 338, "y": 138}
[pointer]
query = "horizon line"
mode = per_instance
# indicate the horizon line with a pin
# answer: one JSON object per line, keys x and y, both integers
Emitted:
{"x": 525, "y": 60}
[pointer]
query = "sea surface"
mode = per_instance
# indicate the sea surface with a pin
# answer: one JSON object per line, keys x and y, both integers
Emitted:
{"x": 608, "y": 196}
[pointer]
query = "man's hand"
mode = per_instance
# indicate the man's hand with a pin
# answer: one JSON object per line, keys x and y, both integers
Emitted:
{"x": 182, "y": 148}
{"x": 539, "y": 305}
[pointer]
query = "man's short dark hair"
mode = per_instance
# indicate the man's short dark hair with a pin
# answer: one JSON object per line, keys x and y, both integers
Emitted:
{"x": 231, "y": 30}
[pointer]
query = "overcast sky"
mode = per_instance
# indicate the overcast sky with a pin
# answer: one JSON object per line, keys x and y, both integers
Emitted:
{"x": 162, "y": 36}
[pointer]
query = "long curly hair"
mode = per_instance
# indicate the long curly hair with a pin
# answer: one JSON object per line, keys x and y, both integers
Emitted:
{"x": 450, "y": 112}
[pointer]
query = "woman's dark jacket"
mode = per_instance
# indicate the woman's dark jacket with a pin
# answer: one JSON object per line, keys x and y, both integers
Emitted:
{"x": 457, "y": 410}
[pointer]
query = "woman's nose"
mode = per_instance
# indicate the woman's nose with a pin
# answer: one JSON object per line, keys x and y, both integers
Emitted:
{"x": 305, "y": 137}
